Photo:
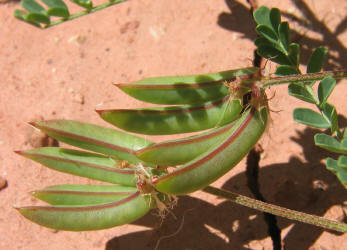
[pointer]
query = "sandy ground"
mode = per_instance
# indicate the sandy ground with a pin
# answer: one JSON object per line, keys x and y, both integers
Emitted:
{"x": 66, "y": 71}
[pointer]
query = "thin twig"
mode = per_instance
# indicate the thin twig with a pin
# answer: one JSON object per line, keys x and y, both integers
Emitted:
{"x": 265, "y": 83}
{"x": 277, "y": 210}
{"x": 83, "y": 13}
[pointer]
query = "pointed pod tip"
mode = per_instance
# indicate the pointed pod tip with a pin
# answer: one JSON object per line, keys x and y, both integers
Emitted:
{"x": 18, "y": 208}
{"x": 21, "y": 210}
{"x": 99, "y": 111}
{"x": 20, "y": 152}
{"x": 33, "y": 124}
{"x": 33, "y": 193}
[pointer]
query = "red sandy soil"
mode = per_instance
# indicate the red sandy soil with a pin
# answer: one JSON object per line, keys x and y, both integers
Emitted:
{"x": 66, "y": 71}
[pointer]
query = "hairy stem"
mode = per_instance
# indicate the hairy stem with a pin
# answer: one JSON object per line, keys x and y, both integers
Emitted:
{"x": 86, "y": 12}
{"x": 265, "y": 83}
{"x": 277, "y": 210}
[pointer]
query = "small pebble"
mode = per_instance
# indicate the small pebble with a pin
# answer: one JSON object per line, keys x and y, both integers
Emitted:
{"x": 79, "y": 39}
{"x": 319, "y": 184}
{"x": 79, "y": 98}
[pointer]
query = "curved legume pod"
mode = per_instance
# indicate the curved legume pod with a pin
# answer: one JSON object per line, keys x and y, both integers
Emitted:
{"x": 94, "y": 138}
{"x": 80, "y": 163}
{"x": 217, "y": 161}
{"x": 180, "y": 151}
{"x": 174, "y": 120}
{"x": 90, "y": 217}
{"x": 190, "y": 89}
{"x": 83, "y": 194}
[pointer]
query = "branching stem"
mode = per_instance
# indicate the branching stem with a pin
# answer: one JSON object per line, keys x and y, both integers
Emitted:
{"x": 277, "y": 210}
{"x": 265, "y": 83}
{"x": 86, "y": 12}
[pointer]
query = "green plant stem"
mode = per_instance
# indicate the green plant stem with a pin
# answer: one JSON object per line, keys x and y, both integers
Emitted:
{"x": 266, "y": 83}
{"x": 86, "y": 12}
{"x": 277, "y": 210}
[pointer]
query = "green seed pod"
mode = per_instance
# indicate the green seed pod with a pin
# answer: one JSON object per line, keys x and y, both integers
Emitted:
{"x": 174, "y": 120}
{"x": 80, "y": 163}
{"x": 180, "y": 151}
{"x": 90, "y": 217}
{"x": 83, "y": 194}
{"x": 217, "y": 161}
{"x": 94, "y": 138}
{"x": 190, "y": 89}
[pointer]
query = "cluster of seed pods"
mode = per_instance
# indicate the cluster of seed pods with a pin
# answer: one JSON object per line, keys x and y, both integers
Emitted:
{"x": 138, "y": 168}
